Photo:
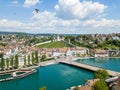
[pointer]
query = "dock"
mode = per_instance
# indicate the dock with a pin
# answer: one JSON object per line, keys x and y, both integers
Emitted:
{"x": 89, "y": 67}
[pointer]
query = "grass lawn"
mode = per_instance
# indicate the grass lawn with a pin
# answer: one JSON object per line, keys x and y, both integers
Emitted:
{"x": 57, "y": 44}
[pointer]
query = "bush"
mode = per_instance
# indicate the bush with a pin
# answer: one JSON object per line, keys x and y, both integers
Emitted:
{"x": 43, "y": 88}
{"x": 101, "y": 74}
{"x": 100, "y": 85}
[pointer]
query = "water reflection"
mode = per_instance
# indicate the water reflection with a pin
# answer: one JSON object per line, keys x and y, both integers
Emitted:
{"x": 101, "y": 60}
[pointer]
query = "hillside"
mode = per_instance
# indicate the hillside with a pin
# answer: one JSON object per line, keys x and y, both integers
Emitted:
{"x": 58, "y": 44}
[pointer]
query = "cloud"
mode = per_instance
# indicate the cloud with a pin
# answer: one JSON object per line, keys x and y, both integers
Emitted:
{"x": 71, "y": 9}
{"x": 49, "y": 19}
{"x": 49, "y": 22}
{"x": 70, "y": 16}
{"x": 9, "y": 25}
{"x": 29, "y": 3}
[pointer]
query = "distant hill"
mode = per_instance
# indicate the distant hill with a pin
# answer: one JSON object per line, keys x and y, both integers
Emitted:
{"x": 39, "y": 34}
{"x": 57, "y": 44}
{"x": 12, "y": 32}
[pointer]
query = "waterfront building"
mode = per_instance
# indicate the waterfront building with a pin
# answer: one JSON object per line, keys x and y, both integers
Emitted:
{"x": 60, "y": 52}
{"x": 100, "y": 53}
{"x": 79, "y": 50}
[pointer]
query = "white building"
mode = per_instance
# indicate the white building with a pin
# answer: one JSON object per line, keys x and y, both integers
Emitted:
{"x": 100, "y": 53}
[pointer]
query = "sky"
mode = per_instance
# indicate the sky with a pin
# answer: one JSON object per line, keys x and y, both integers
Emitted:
{"x": 60, "y": 16}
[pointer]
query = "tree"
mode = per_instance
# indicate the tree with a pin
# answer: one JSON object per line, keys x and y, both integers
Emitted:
{"x": 2, "y": 65}
{"x": 36, "y": 57}
{"x": 1, "y": 55}
{"x": 28, "y": 59}
{"x": 78, "y": 54}
{"x": 100, "y": 85}
{"x": 25, "y": 60}
{"x": 7, "y": 63}
{"x": 33, "y": 59}
{"x": 43, "y": 88}
{"x": 11, "y": 61}
{"x": 44, "y": 58}
{"x": 16, "y": 64}
{"x": 101, "y": 74}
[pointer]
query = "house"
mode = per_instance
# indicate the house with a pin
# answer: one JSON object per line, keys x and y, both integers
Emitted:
{"x": 61, "y": 52}
{"x": 115, "y": 38}
{"x": 7, "y": 53}
{"x": 58, "y": 38}
{"x": 100, "y": 53}
{"x": 79, "y": 50}
{"x": 113, "y": 52}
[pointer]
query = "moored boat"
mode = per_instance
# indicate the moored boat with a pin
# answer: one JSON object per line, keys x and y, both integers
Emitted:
{"x": 16, "y": 76}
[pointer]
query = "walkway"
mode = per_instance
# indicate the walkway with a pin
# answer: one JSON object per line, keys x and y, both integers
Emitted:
{"x": 41, "y": 43}
{"x": 88, "y": 67}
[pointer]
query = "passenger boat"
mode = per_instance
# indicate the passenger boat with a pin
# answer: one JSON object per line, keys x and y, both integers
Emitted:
{"x": 16, "y": 76}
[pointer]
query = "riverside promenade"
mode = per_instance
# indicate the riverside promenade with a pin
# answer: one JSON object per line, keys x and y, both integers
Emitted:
{"x": 89, "y": 67}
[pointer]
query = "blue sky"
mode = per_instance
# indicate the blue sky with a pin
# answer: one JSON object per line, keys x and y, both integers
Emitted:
{"x": 60, "y": 16}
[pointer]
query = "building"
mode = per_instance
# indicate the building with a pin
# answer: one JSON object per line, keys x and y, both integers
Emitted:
{"x": 100, "y": 53}
{"x": 61, "y": 52}
{"x": 58, "y": 38}
{"x": 79, "y": 50}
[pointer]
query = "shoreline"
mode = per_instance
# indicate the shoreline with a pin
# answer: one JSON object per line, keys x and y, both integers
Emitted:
{"x": 96, "y": 57}
{"x": 45, "y": 63}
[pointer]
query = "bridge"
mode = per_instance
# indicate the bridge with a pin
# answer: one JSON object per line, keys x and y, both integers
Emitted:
{"x": 89, "y": 67}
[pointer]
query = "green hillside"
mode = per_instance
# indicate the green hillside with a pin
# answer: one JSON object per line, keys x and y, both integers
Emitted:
{"x": 57, "y": 44}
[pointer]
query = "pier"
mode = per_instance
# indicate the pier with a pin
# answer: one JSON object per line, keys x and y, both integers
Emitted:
{"x": 89, "y": 67}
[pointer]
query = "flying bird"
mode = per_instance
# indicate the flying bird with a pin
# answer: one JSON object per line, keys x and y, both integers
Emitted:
{"x": 36, "y": 10}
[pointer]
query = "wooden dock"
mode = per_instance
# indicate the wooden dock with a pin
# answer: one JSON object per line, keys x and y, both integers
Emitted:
{"x": 89, "y": 67}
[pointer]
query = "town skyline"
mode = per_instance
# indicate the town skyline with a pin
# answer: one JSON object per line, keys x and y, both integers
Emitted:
{"x": 60, "y": 16}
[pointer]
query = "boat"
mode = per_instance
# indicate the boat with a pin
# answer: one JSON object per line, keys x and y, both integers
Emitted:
{"x": 24, "y": 74}
{"x": 16, "y": 76}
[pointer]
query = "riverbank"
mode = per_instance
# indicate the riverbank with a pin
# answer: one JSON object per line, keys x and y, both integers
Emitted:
{"x": 114, "y": 57}
{"x": 45, "y": 63}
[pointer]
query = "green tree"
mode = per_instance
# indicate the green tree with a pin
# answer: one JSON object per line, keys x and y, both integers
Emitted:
{"x": 11, "y": 61}
{"x": 25, "y": 60}
{"x": 16, "y": 64}
{"x": 43, "y": 58}
{"x": 1, "y": 55}
{"x": 100, "y": 85}
{"x": 101, "y": 74}
{"x": 78, "y": 54}
{"x": 28, "y": 59}
{"x": 2, "y": 65}
{"x": 43, "y": 88}
{"x": 7, "y": 63}
{"x": 36, "y": 57}
{"x": 33, "y": 59}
